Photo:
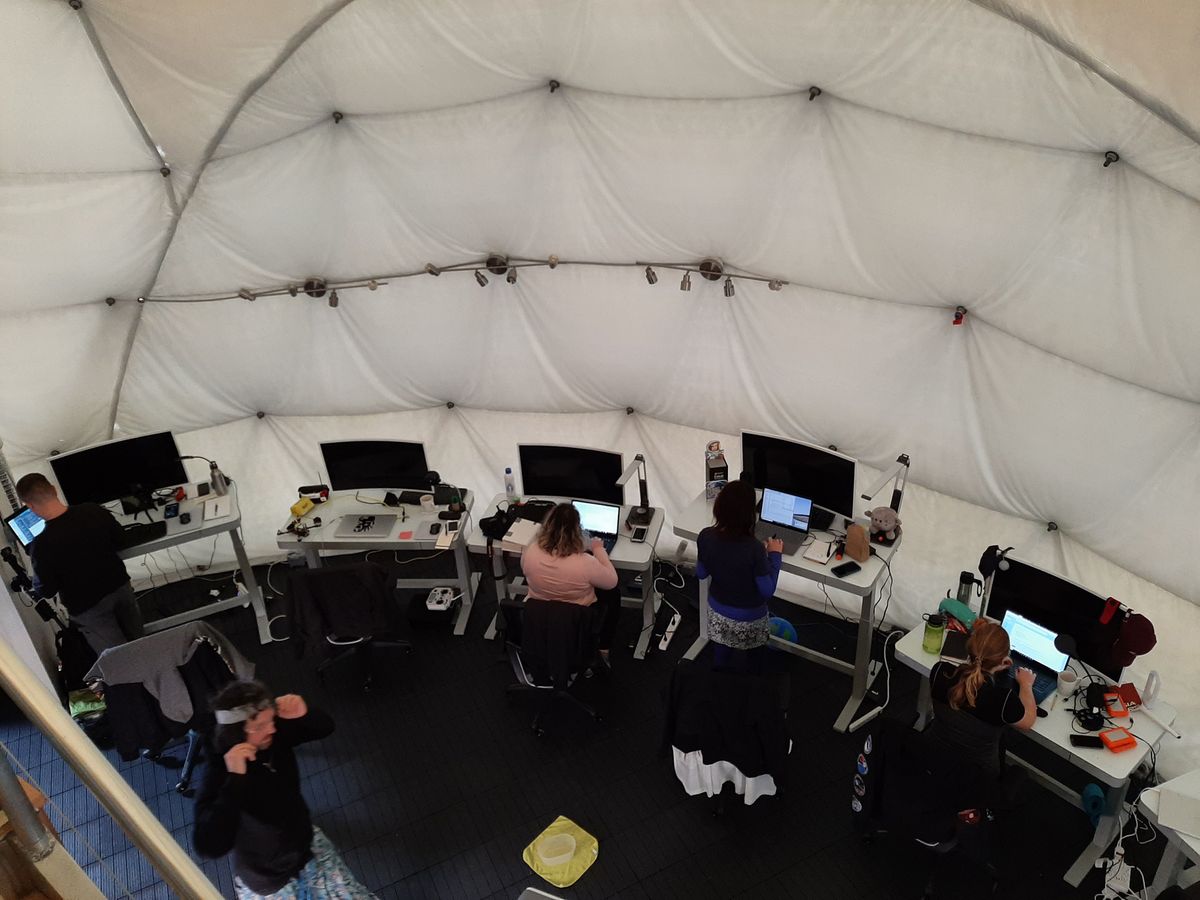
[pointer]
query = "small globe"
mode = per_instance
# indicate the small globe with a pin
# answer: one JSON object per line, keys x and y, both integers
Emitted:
{"x": 783, "y": 629}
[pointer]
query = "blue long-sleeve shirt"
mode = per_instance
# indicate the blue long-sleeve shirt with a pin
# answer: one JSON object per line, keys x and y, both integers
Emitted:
{"x": 743, "y": 573}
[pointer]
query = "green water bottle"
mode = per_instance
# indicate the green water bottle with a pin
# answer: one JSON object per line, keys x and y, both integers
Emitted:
{"x": 935, "y": 630}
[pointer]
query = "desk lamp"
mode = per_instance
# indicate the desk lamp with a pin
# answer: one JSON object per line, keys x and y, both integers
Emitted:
{"x": 898, "y": 473}
{"x": 642, "y": 514}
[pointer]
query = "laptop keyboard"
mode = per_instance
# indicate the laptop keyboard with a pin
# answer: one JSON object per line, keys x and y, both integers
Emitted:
{"x": 1044, "y": 683}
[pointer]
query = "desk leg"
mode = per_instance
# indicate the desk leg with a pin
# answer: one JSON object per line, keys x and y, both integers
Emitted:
{"x": 312, "y": 558}
{"x": 700, "y": 642}
{"x": 466, "y": 585}
{"x": 865, "y": 671}
{"x": 252, "y": 588}
{"x": 649, "y": 608}
{"x": 497, "y": 576}
{"x": 1106, "y": 832}
{"x": 924, "y": 704}
{"x": 1170, "y": 867}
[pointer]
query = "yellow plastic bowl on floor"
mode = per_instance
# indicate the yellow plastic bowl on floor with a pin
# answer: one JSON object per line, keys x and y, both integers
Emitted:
{"x": 562, "y": 853}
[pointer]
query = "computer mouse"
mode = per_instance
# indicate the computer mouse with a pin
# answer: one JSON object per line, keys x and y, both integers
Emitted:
{"x": 435, "y": 527}
{"x": 1041, "y": 713}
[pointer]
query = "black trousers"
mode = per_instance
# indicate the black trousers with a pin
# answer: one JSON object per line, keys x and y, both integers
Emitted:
{"x": 609, "y": 603}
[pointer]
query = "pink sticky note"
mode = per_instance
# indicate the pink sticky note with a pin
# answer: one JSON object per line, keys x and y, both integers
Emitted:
{"x": 405, "y": 535}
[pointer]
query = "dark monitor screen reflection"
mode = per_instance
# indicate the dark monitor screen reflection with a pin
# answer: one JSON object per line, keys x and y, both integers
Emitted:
{"x": 382, "y": 465}
{"x": 548, "y": 471}
{"x": 1061, "y": 606}
{"x": 803, "y": 470}
{"x": 128, "y": 467}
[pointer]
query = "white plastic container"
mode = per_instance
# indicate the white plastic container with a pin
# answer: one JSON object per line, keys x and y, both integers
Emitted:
{"x": 556, "y": 850}
{"x": 510, "y": 486}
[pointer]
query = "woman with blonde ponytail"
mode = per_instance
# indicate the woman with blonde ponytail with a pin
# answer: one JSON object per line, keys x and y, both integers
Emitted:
{"x": 975, "y": 701}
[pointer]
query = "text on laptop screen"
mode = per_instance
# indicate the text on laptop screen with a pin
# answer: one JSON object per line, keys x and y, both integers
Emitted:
{"x": 1033, "y": 640}
{"x": 598, "y": 518}
{"x": 790, "y": 511}
{"x": 26, "y": 525}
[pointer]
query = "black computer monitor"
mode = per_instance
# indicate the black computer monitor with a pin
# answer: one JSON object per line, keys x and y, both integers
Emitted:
{"x": 123, "y": 468}
{"x": 805, "y": 470}
{"x": 375, "y": 464}
{"x": 1062, "y": 606}
{"x": 548, "y": 471}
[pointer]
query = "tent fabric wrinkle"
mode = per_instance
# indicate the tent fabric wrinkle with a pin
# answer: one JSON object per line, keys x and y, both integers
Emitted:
{"x": 952, "y": 156}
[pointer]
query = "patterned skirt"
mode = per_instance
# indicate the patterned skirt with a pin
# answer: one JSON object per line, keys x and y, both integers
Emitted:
{"x": 740, "y": 629}
{"x": 324, "y": 878}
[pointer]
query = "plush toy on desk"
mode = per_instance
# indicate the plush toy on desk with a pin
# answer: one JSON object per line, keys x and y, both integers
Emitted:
{"x": 885, "y": 523}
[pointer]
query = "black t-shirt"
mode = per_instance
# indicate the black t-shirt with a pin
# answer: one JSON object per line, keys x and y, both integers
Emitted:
{"x": 997, "y": 703}
{"x": 75, "y": 557}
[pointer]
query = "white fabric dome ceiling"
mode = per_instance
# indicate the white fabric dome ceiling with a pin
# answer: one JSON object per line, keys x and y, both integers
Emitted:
{"x": 954, "y": 156}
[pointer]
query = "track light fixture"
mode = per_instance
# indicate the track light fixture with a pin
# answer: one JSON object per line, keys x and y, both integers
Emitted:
{"x": 1110, "y": 157}
{"x": 315, "y": 287}
{"x": 432, "y": 269}
{"x": 511, "y": 277}
{"x": 337, "y": 117}
{"x": 813, "y": 93}
{"x": 651, "y": 276}
{"x": 480, "y": 278}
{"x": 775, "y": 284}
{"x": 293, "y": 290}
{"x": 728, "y": 286}
{"x": 245, "y": 294}
{"x": 110, "y": 301}
{"x": 686, "y": 283}
{"x": 497, "y": 264}
{"x": 711, "y": 269}
{"x": 333, "y": 299}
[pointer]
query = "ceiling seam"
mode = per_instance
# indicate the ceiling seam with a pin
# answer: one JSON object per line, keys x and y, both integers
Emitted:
{"x": 296, "y": 42}
{"x": 1165, "y": 113}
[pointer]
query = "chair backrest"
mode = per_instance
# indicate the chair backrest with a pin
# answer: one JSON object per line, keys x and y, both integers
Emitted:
{"x": 348, "y": 601}
{"x": 556, "y": 640}
{"x": 977, "y": 740}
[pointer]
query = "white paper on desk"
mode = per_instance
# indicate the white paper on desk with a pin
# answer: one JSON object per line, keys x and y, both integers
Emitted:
{"x": 819, "y": 551}
{"x": 217, "y": 508}
{"x": 518, "y": 537}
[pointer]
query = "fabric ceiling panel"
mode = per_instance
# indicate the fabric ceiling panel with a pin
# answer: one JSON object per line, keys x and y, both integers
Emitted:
{"x": 62, "y": 113}
{"x": 71, "y": 239}
{"x": 68, "y": 361}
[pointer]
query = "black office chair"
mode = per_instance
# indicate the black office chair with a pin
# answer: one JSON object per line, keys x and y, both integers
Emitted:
{"x": 550, "y": 645}
{"x": 342, "y": 612}
{"x": 139, "y": 724}
{"x": 919, "y": 787}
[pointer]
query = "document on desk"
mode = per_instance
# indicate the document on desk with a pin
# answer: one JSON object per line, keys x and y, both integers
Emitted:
{"x": 217, "y": 508}
{"x": 819, "y": 551}
{"x": 518, "y": 537}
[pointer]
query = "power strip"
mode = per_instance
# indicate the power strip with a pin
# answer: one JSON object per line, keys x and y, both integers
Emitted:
{"x": 670, "y": 632}
{"x": 441, "y": 598}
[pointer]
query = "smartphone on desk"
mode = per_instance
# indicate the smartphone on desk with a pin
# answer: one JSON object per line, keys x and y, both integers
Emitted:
{"x": 846, "y": 568}
{"x": 1086, "y": 740}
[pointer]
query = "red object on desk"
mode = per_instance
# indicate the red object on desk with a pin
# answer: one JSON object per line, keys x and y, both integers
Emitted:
{"x": 1115, "y": 706}
{"x": 1118, "y": 740}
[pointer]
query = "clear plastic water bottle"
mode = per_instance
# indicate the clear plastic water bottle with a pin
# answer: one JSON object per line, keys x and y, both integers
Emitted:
{"x": 510, "y": 486}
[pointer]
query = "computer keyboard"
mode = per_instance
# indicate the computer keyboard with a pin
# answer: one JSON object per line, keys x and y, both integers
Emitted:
{"x": 142, "y": 533}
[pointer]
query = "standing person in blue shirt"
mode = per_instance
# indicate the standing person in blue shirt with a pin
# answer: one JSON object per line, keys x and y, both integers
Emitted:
{"x": 744, "y": 573}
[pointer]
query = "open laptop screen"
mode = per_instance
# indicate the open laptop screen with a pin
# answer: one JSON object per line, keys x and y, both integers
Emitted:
{"x": 26, "y": 525}
{"x": 787, "y": 510}
{"x": 1034, "y": 641}
{"x": 598, "y": 518}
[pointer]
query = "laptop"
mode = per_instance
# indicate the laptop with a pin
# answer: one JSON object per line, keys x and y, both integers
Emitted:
{"x": 25, "y": 524}
{"x": 365, "y": 526}
{"x": 1033, "y": 648}
{"x": 784, "y": 516}
{"x": 600, "y": 520}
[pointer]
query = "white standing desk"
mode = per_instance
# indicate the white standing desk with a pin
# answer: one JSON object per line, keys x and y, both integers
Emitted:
{"x": 626, "y": 556}
{"x": 1111, "y": 770}
{"x": 698, "y": 515}
{"x": 409, "y": 518}
{"x": 1181, "y": 850}
{"x": 197, "y": 528}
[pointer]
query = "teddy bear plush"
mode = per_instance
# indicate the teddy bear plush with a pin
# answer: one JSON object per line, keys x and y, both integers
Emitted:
{"x": 884, "y": 521}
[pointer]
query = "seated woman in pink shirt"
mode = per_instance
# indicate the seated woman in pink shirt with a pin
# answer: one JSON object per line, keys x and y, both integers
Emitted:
{"x": 557, "y": 568}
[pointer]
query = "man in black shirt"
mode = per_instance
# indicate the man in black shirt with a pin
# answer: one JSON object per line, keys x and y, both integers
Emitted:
{"x": 75, "y": 557}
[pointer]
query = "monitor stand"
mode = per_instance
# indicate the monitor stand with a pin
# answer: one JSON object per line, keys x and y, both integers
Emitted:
{"x": 820, "y": 519}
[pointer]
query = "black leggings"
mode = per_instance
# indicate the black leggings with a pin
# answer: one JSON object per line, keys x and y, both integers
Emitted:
{"x": 609, "y": 601}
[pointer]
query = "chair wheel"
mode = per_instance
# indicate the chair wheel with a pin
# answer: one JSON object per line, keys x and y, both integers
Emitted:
{"x": 185, "y": 788}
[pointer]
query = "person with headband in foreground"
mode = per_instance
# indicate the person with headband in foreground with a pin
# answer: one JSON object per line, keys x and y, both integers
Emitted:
{"x": 250, "y": 801}
{"x": 973, "y": 703}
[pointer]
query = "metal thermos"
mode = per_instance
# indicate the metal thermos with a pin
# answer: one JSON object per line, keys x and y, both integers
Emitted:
{"x": 966, "y": 587}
